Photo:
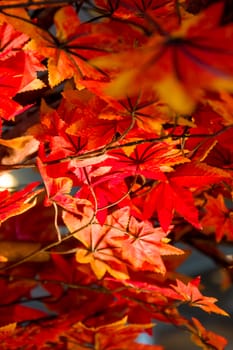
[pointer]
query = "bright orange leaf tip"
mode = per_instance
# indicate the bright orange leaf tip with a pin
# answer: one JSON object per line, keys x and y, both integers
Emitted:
{"x": 17, "y": 143}
{"x": 204, "y": 338}
{"x": 3, "y": 259}
{"x": 8, "y": 330}
{"x": 223, "y": 105}
{"x": 191, "y": 294}
{"x": 180, "y": 65}
{"x": 117, "y": 335}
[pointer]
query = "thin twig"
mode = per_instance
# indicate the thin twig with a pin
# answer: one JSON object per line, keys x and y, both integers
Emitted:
{"x": 28, "y": 4}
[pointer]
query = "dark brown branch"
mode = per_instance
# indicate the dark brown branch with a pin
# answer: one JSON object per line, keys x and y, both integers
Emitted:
{"x": 112, "y": 146}
{"x": 210, "y": 248}
{"x": 29, "y": 4}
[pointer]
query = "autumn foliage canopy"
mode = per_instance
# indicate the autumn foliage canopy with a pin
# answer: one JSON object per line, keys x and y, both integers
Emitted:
{"x": 125, "y": 109}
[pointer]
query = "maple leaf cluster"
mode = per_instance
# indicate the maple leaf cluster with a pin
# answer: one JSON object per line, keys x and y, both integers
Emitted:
{"x": 125, "y": 110}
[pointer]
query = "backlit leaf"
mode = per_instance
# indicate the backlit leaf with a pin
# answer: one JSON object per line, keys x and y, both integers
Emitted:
{"x": 191, "y": 294}
{"x": 18, "y": 202}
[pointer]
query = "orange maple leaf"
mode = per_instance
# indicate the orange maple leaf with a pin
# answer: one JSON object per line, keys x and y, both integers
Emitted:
{"x": 97, "y": 252}
{"x": 84, "y": 119}
{"x": 223, "y": 105}
{"x": 51, "y": 132}
{"x": 191, "y": 294}
{"x": 69, "y": 51}
{"x": 114, "y": 336}
{"x": 217, "y": 219}
{"x": 142, "y": 245}
{"x": 94, "y": 248}
{"x": 204, "y": 338}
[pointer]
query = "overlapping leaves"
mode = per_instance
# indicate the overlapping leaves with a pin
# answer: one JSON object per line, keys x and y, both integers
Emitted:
{"x": 179, "y": 64}
{"x": 120, "y": 147}
{"x": 120, "y": 242}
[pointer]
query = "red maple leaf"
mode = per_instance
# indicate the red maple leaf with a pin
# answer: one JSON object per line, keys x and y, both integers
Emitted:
{"x": 11, "y": 41}
{"x": 138, "y": 12}
{"x": 110, "y": 190}
{"x": 18, "y": 202}
{"x": 149, "y": 160}
{"x": 179, "y": 64}
{"x": 218, "y": 219}
{"x": 18, "y": 70}
{"x": 174, "y": 193}
{"x": 58, "y": 193}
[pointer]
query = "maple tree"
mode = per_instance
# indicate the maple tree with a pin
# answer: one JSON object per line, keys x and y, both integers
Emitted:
{"x": 125, "y": 109}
